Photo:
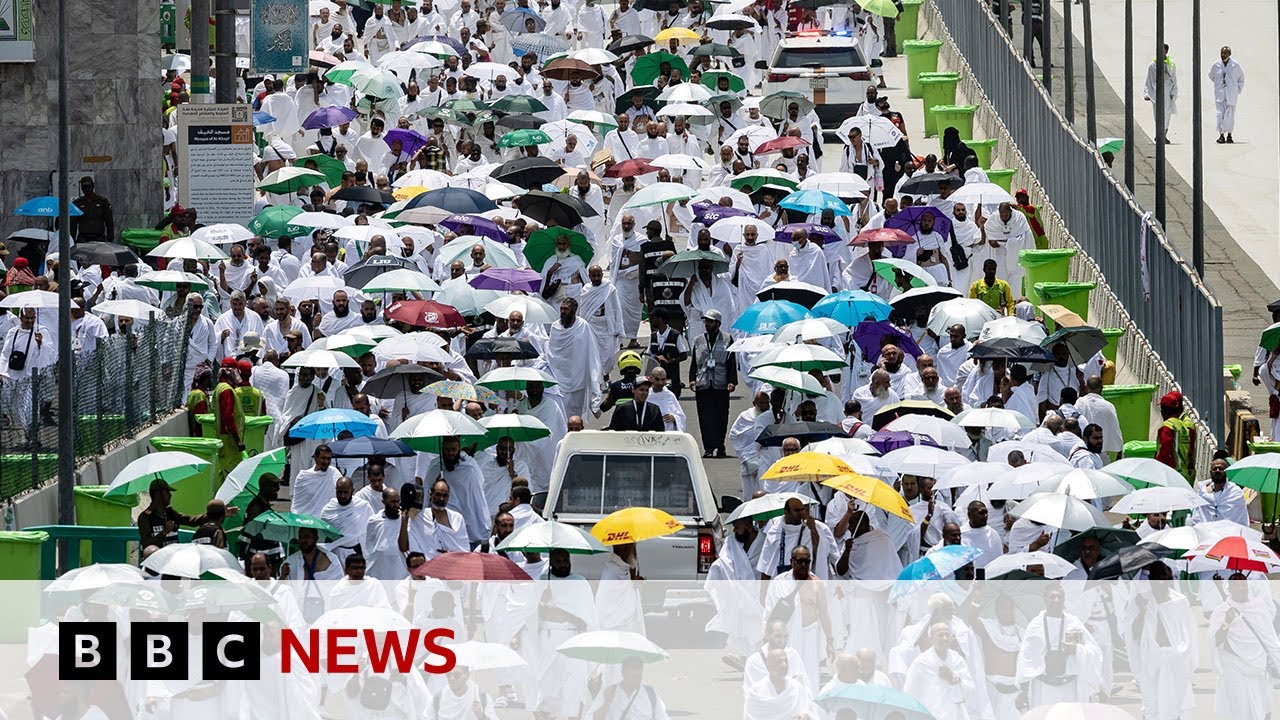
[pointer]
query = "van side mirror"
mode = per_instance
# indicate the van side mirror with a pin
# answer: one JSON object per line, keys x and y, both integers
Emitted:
{"x": 539, "y": 501}
{"x": 729, "y": 503}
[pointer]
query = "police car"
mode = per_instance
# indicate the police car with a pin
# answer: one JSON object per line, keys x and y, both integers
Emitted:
{"x": 827, "y": 68}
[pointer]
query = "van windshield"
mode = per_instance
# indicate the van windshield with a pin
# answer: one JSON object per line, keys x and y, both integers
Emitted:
{"x": 812, "y": 57}
{"x": 600, "y": 484}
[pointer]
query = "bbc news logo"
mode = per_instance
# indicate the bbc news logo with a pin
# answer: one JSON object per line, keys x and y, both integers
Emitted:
{"x": 233, "y": 651}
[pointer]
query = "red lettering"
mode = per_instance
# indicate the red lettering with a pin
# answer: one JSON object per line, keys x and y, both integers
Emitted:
{"x": 334, "y": 663}
{"x": 450, "y": 659}
{"x": 378, "y": 655}
{"x": 309, "y": 656}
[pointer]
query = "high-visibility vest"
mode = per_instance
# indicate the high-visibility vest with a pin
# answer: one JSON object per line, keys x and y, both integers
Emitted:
{"x": 217, "y": 407}
{"x": 1184, "y": 449}
{"x": 249, "y": 399}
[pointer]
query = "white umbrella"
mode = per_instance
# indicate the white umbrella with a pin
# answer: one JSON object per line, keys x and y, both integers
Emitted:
{"x": 289, "y": 173}
{"x": 677, "y": 161}
{"x": 840, "y": 184}
{"x": 490, "y": 71}
{"x": 756, "y": 136}
{"x": 321, "y": 220}
{"x": 178, "y": 62}
{"x": 187, "y": 248}
{"x": 35, "y": 299}
{"x": 475, "y": 656}
{"x": 135, "y": 309}
{"x": 1031, "y": 452}
{"x": 730, "y": 229}
{"x": 611, "y": 647}
{"x": 437, "y": 424}
{"x": 161, "y": 279}
{"x": 1146, "y": 472}
{"x": 1013, "y": 327}
{"x": 1085, "y": 484}
{"x": 659, "y": 193}
{"x": 401, "y": 280}
{"x": 843, "y": 447}
{"x": 1060, "y": 511}
{"x": 496, "y": 424}
{"x": 1011, "y": 487}
{"x": 942, "y": 431}
{"x": 376, "y": 333}
{"x": 788, "y": 379}
{"x": 190, "y": 561}
{"x": 429, "y": 179}
{"x": 981, "y": 194}
{"x": 496, "y": 254}
{"x": 403, "y": 63}
{"x": 515, "y": 376}
{"x": 871, "y": 466}
{"x": 1054, "y": 566}
{"x": 923, "y": 460}
{"x": 414, "y": 347}
{"x": 694, "y": 114}
{"x": 972, "y": 314}
{"x": 546, "y": 536}
{"x": 96, "y": 577}
{"x": 685, "y": 93}
{"x": 594, "y": 117}
{"x": 752, "y": 344}
{"x": 1191, "y": 536}
{"x": 879, "y": 131}
{"x": 799, "y": 357}
{"x": 171, "y": 466}
{"x": 316, "y": 287}
{"x": 809, "y": 329}
{"x": 767, "y": 506}
{"x": 320, "y": 359}
{"x": 433, "y": 47}
{"x": 223, "y": 234}
{"x": 361, "y": 617}
{"x": 975, "y": 473}
{"x": 498, "y": 191}
{"x": 468, "y": 300}
{"x": 560, "y": 129}
{"x": 535, "y": 310}
{"x": 1158, "y": 500}
{"x": 994, "y": 418}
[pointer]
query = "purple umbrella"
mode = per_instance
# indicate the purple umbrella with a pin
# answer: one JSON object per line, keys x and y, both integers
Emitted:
{"x": 328, "y": 117}
{"x": 507, "y": 279}
{"x": 908, "y": 220}
{"x": 828, "y": 235}
{"x": 410, "y": 140}
{"x": 889, "y": 440}
{"x": 482, "y": 226}
{"x": 871, "y": 336}
{"x": 708, "y": 213}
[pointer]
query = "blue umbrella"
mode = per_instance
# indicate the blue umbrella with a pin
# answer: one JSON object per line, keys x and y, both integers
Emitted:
{"x": 813, "y": 202}
{"x": 850, "y": 307}
{"x": 44, "y": 206}
{"x": 541, "y": 44}
{"x": 874, "y": 701}
{"x": 938, "y": 565}
{"x": 263, "y": 118}
{"x": 328, "y": 424}
{"x": 370, "y": 447}
{"x": 328, "y": 117}
{"x": 514, "y": 20}
{"x": 768, "y": 316}
{"x": 456, "y": 200}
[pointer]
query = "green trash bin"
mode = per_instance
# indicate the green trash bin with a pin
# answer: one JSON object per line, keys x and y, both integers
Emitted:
{"x": 144, "y": 239}
{"x": 206, "y": 425}
{"x": 938, "y": 89}
{"x": 93, "y": 508}
{"x": 15, "y": 471}
{"x": 1133, "y": 410}
{"x": 1074, "y": 296}
{"x": 984, "y": 149}
{"x": 1140, "y": 449}
{"x": 1113, "y": 336}
{"x": 255, "y": 433}
{"x": 1270, "y": 501}
{"x": 191, "y": 495}
{"x": 922, "y": 57}
{"x": 20, "y": 554}
{"x": 94, "y": 432}
{"x": 907, "y": 26}
{"x": 959, "y": 117}
{"x": 1046, "y": 266}
{"x": 1003, "y": 178}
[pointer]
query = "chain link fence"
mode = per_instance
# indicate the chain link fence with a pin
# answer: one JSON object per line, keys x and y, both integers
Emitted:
{"x": 127, "y": 382}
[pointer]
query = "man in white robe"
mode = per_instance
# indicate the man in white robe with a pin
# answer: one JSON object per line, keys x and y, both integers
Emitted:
{"x": 466, "y": 487}
{"x": 1228, "y": 80}
{"x": 940, "y": 677}
{"x": 313, "y": 488}
{"x": 1058, "y": 660}
{"x": 233, "y": 325}
{"x": 567, "y": 608}
{"x": 1007, "y": 229}
{"x": 1101, "y": 412}
{"x": 1152, "y": 89}
{"x": 598, "y": 303}
{"x": 742, "y": 435}
{"x": 577, "y": 368}
{"x": 310, "y": 562}
{"x": 751, "y": 263}
{"x": 1247, "y": 652}
{"x": 541, "y": 454}
{"x": 807, "y": 261}
{"x": 625, "y": 263}
{"x": 499, "y": 466}
{"x": 780, "y": 694}
{"x": 1163, "y": 642}
{"x": 673, "y": 417}
{"x": 795, "y": 528}
{"x": 386, "y": 539}
{"x": 951, "y": 355}
{"x": 460, "y": 698}
{"x": 564, "y": 273}
{"x": 876, "y": 394}
{"x": 730, "y": 583}
{"x": 618, "y": 591}
{"x": 809, "y": 619}
{"x": 1224, "y": 499}
{"x": 350, "y": 515}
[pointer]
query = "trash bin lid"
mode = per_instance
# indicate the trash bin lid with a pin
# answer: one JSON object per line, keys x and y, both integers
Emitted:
{"x": 920, "y": 45}
{"x": 258, "y": 421}
{"x": 1111, "y": 391}
{"x": 1113, "y": 332}
{"x": 186, "y": 443}
{"x": 1270, "y": 446}
{"x": 34, "y": 537}
{"x": 1054, "y": 289}
{"x": 938, "y": 77}
{"x": 98, "y": 492}
{"x": 1036, "y": 258}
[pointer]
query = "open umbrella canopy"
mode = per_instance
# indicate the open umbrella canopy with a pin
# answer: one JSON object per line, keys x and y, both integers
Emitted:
{"x": 800, "y": 357}
{"x": 536, "y": 311}
{"x": 1233, "y": 553}
{"x": 994, "y": 418}
{"x": 276, "y": 221}
{"x": 806, "y": 432}
{"x": 1012, "y": 327}
{"x": 787, "y": 379}
{"x": 543, "y": 537}
{"x": 1260, "y": 472}
{"x": 320, "y": 359}
{"x": 551, "y": 209}
{"x": 284, "y": 527}
{"x": 1083, "y": 342}
{"x": 1010, "y": 349}
{"x": 768, "y": 316}
{"x": 541, "y": 246}
{"x": 520, "y": 428}
{"x": 37, "y": 299}
{"x": 135, "y": 309}
{"x": 795, "y": 291}
{"x": 95, "y": 577}
{"x": 712, "y": 79}
{"x": 685, "y": 264}
{"x": 506, "y": 280}
{"x": 424, "y": 432}
{"x": 102, "y": 253}
{"x": 851, "y": 307}
{"x": 1086, "y": 484}
{"x": 813, "y": 202}
{"x": 660, "y": 193}
{"x": 1125, "y": 561}
{"x": 45, "y": 206}
{"x": 400, "y": 280}
{"x": 970, "y": 313}
{"x": 611, "y": 647}
{"x": 1158, "y": 500}
{"x": 649, "y": 66}
{"x": 501, "y": 349}
{"x": 629, "y": 43}
{"x": 1145, "y": 472}
{"x": 170, "y": 467}
{"x": 190, "y": 561}
{"x": 1060, "y": 511}
{"x": 634, "y": 524}
{"x": 364, "y": 447}
{"x": 425, "y": 313}
{"x": 886, "y": 441}
{"x": 923, "y": 460}
{"x": 187, "y": 248}
{"x": 241, "y": 484}
{"x": 806, "y": 467}
{"x": 877, "y": 130}
{"x": 943, "y": 432}
{"x": 327, "y": 424}
{"x": 1110, "y": 540}
{"x": 940, "y": 564}
{"x": 329, "y": 116}
{"x": 903, "y": 273}
{"x": 1053, "y": 566}
{"x": 224, "y": 233}
{"x": 818, "y": 328}
{"x": 514, "y": 378}
{"x": 872, "y": 491}
{"x": 523, "y": 138}
{"x": 461, "y": 390}
{"x": 767, "y": 507}
{"x": 471, "y": 566}
{"x": 291, "y": 179}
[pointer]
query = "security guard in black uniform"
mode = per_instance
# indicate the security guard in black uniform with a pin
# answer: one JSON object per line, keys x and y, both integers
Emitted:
{"x": 97, "y": 224}
{"x": 629, "y": 366}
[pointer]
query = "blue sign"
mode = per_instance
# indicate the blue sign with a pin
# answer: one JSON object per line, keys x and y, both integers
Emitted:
{"x": 280, "y": 36}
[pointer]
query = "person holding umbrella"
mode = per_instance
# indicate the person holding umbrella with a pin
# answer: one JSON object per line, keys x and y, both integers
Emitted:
{"x": 158, "y": 524}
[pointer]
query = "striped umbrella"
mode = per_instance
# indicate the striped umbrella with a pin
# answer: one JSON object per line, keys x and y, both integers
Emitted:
{"x": 541, "y": 44}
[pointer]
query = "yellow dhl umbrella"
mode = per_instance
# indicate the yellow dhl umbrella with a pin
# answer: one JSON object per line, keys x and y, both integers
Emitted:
{"x": 630, "y": 525}
{"x": 807, "y": 467}
{"x": 684, "y": 35}
{"x": 872, "y": 491}
{"x": 406, "y": 193}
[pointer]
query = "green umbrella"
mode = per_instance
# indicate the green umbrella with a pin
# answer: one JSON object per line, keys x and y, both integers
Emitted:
{"x": 541, "y": 246}
{"x": 649, "y": 67}
{"x": 685, "y": 264}
{"x": 883, "y": 8}
{"x": 171, "y": 467}
{"x": 1111, "y": 145}
{"x": 342, "y": 72}
{"x": 1260, "y": 472}
{"x": 890, "y": 267}
{"x": 520, "y": 428}
{"x": 712, "y": 80}
{"x": 514, "y": 104}
{"x": 433, "y": 113}
{"x": 331, "y": 167}
{"x": 273, "y": 222}
{"x": 1270, "y": 338}
{"x": 465, "y": 105}
{"x": 752, "y": 180}
{"x": 523, "y": 138}
{"x": 284, "y": 526}
{"x": 241, "y": 484}
{"x": 775, "y": 105}
{"x": 290, "y": 180}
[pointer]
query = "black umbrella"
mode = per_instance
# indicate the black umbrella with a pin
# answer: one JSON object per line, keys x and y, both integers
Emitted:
{"x": 364, "y": 447}
{"x": 1111, "y": 539}
{"x": 1083, "y": 341}
{"x": 501, "y": 348}
{"x": 395, "y": 380}
{"x": 805, "y": 432}
{"x": 521, "y": 122}
{"x": 1020, "y": 574}
{"x": 545, "y": 207}
{"x": 715, "y": 50}
{"x": 101, "y": 253}
{"x": 364, "y": 194}
{"x": 580, "y": 205}
{"x": 361, "y": 273}
{"x": 648, "y": 92}
{"x": 910, "y": 303}
{"x": 1011, "y": 349}
{"x": 528, "y": 172}
{"x": 791, "y": 292}
{"x": 927, "y": 183}
{"x": 1127, "y": 560}
{"x": 629, "y": 43}
{"x": 32, "y": 235}
{"x": 730, "y": 23}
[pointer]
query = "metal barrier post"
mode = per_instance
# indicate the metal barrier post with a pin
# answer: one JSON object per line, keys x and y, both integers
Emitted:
{"x": 1068, "y": 66}
{"x": 1090, "y": 100}
{"x": 1162, "y": 132}
{"x": 1129, "y": 157}
{"x": 1197, "y": 146}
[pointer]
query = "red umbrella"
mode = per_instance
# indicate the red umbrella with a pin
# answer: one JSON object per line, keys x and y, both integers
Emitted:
{"x": 780, "y": 144}
{"x": 630, "y": 168}
{"x": 1233, "y": 553}
{"x": 888, "y": 236}
{"x": 425, "y": 313}
{"x": 471, "y": 566}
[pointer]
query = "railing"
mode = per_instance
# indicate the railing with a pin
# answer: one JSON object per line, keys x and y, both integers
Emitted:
{"x": 1174, "y": 323}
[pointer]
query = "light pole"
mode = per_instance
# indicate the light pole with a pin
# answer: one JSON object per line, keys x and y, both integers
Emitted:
{"x": 1197, "y": 147}
{"x": 66, "y": 398}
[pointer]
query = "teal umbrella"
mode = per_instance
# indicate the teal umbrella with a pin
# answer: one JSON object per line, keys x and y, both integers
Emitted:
{"x": 523, "y": 138}
{"x": 284, "y": 527}
{"x": 274, "y": 222}
{"x": 874, "y": 701}
{"x": 1270, "y": 338}
{"x": 171, "y": 467}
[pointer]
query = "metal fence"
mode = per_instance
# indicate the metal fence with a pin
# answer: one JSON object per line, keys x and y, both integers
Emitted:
{"x": 1174, "y": 323}
{"x": 128, "y": 382}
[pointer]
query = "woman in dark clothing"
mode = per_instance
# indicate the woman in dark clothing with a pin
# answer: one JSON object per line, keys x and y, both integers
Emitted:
{"x": 954, "y": 151}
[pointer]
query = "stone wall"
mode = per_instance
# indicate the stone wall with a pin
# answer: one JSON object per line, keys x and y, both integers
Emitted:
{"x": 114, "y": 110}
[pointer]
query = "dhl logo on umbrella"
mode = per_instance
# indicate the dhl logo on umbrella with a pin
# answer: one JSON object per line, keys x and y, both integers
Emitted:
{"x": 618, "y": 537}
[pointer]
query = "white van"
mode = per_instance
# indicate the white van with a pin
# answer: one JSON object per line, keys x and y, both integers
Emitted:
{"x": 599, "y": 471}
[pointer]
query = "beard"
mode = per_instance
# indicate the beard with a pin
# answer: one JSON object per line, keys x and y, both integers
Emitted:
{"x": 561, "y": 573}
{"x": 563, "y": 255}
{"x": 893, "y": 367}
{"x": 881, "y": 394}
{"x": 450, "y": 464}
